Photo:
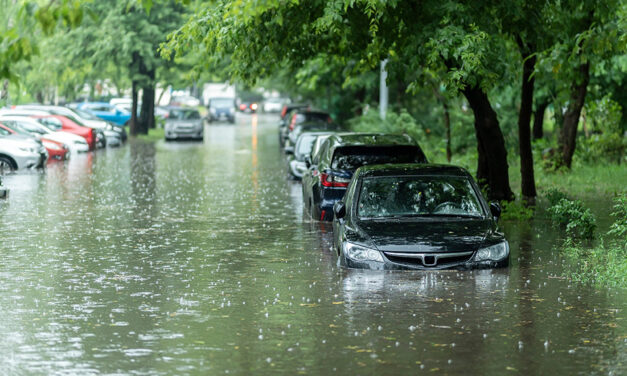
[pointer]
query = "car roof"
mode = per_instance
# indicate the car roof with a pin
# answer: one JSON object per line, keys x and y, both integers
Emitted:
{"x": 315, "y": 133}
{"x": 370, "y": 139}
{"x": 98, "y": 103}
{"x": 412, "y": 169}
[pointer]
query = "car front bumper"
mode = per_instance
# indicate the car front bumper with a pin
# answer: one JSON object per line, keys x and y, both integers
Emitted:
{"x": 390, "y": 265}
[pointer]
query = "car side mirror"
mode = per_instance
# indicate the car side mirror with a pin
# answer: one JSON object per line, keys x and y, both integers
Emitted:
{"x": 308, "y": 161}
{"x": 339, "y": 209}
{"x": 289, "y": 150}
{"x": 495, "y": 209}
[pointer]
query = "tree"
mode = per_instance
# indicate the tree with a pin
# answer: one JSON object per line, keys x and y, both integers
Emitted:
{"x": 126, "y": 34}
{"x": 410, "y": 34}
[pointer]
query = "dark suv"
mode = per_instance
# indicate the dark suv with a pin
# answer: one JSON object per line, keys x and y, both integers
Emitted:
{"x": 331, "y": 169}
{"x": 221, "y": 109}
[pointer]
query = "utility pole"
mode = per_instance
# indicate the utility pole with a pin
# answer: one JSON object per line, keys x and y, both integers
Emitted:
{"x": 383, "y": 90}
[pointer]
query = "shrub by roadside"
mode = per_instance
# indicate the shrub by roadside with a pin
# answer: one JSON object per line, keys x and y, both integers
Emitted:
{"x": 606, "y": 263}
{"x": 572, "y": 215}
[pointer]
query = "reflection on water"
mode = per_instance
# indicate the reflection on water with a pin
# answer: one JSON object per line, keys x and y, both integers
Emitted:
{"x": 194, "y": 258}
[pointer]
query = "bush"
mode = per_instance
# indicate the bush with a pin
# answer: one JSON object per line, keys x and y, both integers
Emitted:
{"x": 554, "y": 196}
{"x": 600, "y": 265}
{"x": 577, "y": 219}
{"x": 515, "y": 211}
{"x": 619, "y": 227}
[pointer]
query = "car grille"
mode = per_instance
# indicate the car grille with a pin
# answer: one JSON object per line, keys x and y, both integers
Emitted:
{"x": 429, "y": 260}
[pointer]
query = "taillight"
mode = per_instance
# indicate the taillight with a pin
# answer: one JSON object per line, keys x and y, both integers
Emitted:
{"x": 293, "y": 123}
{"x": 283, "y": 112}
{"x": 333, "y": 181}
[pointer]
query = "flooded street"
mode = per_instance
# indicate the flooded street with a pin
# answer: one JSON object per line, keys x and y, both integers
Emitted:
{"x": 194, "y": 258}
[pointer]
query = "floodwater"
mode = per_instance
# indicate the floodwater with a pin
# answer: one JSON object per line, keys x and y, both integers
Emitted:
{"x": 195, "y": 259}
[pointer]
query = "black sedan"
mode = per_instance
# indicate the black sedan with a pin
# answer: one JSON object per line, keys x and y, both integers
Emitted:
{"x": 417, "y": 217}
{"x": 330, "y": 170}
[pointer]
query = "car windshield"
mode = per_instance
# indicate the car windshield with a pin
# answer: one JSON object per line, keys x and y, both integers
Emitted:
{"x": 353, "y": 157}
{"x": 86, "y": 114}
{"x": 418, "y": 196}
{"x": 222, "y": 102}
{"x": 18, "y": 128}
{"x": 184, "y": 115}
{"x": 33, "y": 127}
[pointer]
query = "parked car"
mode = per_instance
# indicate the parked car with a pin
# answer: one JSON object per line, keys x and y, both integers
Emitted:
{"x": 20, "y": 152}
{"x": 113, "y": 133}
{"x": 59, "y": 122}
{"x": 310, "y": 127}
{"x": 301, "y": 116}
{"x": 183, "y": 122}
{"x": 56, "y": 150}
{"x": 105, "y": 132}
{"x": 417, "y": 217}
{"x": 73, "y": 142}
{"x": 341, "y": 154}
{"x": 111, "y": 130}
{"x": 106, "y": 112}
{"x": 296, "y": 165}
{"x": 221, "y": 109}
{"x": 271, "y": 105}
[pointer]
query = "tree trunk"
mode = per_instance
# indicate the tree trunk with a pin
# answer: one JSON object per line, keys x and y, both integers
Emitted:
{"x": 527, "y": 182}
{"x": 492, "y": 162}
{"x": 134, "y": 124}
{"x": 568, "y": 134}
{"x": 147, "y": 113}
{"x": 447, "y": 121}
{"x": 538, "y": 119}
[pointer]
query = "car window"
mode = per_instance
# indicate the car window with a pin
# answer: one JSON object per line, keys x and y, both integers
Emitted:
{"x": 183, "y": 114}
{"x": 418, "y": 196}
{"x": 304, "y": 144}
{"x": 353, "y": 157}
{"x": 51, "y": 122}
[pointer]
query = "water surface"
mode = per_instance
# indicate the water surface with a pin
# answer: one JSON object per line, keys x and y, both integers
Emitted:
{"x": 194, "y": 259}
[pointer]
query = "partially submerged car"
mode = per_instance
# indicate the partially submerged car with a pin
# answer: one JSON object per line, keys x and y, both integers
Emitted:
{"x": 20, "y": 152}
{"x": 297, "y": 155}
{"x": 416, "y": 216}
{"x": 75, "y": 143}
{"x": 183, "y": 122}
{"x": 332, "y": 167}
{"x": 221, "y": 109}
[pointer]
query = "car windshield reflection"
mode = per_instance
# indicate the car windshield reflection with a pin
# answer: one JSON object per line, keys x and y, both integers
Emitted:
{"x": 415, "y": 197}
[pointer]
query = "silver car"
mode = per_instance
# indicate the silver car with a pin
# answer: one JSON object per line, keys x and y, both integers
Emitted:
{"x": 20, "y": 152}
{"x": 183, "y": 123}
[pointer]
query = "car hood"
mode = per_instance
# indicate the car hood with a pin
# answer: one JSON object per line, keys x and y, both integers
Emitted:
{"x": 25, "y": 140}
{"x": 421, "y": 236}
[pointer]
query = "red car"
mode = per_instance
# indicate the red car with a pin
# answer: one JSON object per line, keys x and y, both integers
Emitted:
{"x": 56, "y": 150}
{"x": 61, "y": 122}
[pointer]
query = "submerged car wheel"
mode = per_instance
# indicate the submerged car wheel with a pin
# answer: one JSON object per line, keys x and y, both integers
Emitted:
{"x": 6, "y": 164}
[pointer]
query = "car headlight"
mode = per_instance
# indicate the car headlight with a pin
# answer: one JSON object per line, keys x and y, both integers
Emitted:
{"x": 493, "y": 253}
{"x": 361, "y": 253}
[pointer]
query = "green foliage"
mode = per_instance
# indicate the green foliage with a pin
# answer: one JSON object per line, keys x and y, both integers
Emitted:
{"x": 606, "y": 263}
{"x": 619, "y": 227}
{"x": 607, "y": 142}
{"x": 555, "y": 195}
{"x": 578, "y": 220}
{"x": 395, "y": 123}
{"x": 517, "y": 211}
{"x": 600, "y": 265}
